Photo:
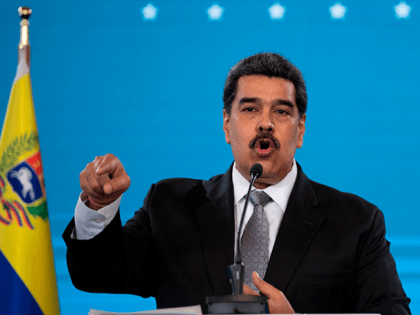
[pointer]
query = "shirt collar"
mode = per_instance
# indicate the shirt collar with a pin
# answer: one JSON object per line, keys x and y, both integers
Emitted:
{"x": 279, "y": 192}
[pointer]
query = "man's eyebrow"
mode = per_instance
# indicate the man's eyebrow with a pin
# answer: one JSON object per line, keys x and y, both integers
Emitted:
{"x": 283, "y": 102}
{"x": 257, "y": 100}
{"x": 249, "y": 100}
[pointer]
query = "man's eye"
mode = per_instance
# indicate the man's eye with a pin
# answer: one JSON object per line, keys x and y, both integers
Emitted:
{"x": 249, "y": 109}
{"x": 281, "y": 112}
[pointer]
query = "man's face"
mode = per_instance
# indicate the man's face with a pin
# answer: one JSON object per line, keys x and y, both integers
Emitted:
{"x": 264, "y": 127}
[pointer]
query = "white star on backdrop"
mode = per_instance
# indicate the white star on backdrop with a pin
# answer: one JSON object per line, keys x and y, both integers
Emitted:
{"x": 215, "y": 12}
{"x": 276, "y": 11}
{"x": 338, "y": 11}
{"x": 402, "y": 10}
{"x": 149, "y": 12}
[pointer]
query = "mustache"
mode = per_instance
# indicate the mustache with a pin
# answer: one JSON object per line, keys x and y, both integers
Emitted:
{"x": 264, "y": 135}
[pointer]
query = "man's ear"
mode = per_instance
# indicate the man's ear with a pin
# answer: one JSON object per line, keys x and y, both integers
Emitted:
{"x": 301, "y": 130}
{"x": 226, "y": 126}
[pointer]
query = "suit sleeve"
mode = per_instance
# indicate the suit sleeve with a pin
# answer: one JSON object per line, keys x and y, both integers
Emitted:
{"x": 378, "y": 287}
{"x": 118, "y": 259}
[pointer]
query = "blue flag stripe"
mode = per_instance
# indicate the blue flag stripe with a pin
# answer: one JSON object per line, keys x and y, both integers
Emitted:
{"x": 15, "y": 297}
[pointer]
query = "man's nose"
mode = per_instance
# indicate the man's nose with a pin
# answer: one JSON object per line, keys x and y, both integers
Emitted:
{"x": 265, "y": 123}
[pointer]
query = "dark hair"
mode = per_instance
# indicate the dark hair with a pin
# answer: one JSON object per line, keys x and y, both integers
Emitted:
{"x": 270, "y": 65}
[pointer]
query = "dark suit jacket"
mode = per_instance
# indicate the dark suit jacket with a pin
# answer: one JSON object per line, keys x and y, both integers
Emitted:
{"x": 330, "y": 254}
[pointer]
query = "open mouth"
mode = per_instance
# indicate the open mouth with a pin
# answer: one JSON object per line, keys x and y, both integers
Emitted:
{"x": 264, "y": 143}
{"x": 264, "y": 147}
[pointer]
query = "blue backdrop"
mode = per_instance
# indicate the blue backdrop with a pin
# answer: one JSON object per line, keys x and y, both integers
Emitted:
{"x": 144, "y": 81}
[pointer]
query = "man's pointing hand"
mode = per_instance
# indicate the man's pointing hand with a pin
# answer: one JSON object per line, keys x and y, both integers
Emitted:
{"x": 103, "y": 181}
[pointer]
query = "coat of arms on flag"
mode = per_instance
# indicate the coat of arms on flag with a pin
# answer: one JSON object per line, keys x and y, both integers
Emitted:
{"x": 25, "y": 179}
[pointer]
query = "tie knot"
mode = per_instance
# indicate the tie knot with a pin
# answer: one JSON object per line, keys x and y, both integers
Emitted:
{"x": 259, "y": 198}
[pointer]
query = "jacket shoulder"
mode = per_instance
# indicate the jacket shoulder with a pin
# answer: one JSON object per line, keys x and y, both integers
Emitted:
{"x": 184, "y": 185}
{"x": 342, "y": 202}
{"x": 178, "y": 183}
{"x": 182, "y": 191}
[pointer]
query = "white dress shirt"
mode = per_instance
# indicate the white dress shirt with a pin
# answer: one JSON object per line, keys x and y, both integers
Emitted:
{"x": 89, "y": 223}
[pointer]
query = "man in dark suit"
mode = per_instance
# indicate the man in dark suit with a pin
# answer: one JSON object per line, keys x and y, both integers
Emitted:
{"x": 327, "y": 249}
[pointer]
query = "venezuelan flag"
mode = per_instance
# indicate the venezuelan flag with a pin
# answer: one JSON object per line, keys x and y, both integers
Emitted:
{"x": 27, "y": 276}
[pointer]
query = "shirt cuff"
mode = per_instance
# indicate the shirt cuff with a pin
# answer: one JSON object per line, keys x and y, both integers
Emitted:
{"x": 89, "y": 223}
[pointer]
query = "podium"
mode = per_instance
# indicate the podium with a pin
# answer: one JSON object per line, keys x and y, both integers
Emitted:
{"x": 237, "y": 304}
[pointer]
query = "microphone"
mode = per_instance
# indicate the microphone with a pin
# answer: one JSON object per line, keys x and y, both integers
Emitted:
{"x": 238, "y": 303}
{"x": 236, "y": 271}
{"x": 256, "y": 170}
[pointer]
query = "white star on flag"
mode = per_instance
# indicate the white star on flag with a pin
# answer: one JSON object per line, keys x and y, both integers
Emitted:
{"x": 402, "y": 10}
{"x": 338, "y": 11}
{"x": 215, "y": 12}
{"x": 276, "y": 11}
{"x": 149, "y": 12}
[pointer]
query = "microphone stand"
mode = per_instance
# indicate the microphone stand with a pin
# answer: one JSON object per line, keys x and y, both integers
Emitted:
{"x": 238, "y": 303}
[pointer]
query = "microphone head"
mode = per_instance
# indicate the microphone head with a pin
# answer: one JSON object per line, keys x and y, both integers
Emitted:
{"x": 256, "y": 170}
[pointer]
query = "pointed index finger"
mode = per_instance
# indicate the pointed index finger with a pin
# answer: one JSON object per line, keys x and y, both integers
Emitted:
{"x": 107, "y": 166}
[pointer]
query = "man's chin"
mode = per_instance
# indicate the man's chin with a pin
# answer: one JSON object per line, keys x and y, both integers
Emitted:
{"x": 272, "y": 175}
{"x": 268, "y": 168}
{"x": 264, "y": 182}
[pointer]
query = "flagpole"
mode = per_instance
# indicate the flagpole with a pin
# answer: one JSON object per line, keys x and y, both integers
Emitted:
{"x": 24, "y": 50}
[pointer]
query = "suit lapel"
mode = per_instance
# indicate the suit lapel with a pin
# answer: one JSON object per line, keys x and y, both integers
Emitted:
{"x": 298, "y": 227}
{"x": 216, "y": 223}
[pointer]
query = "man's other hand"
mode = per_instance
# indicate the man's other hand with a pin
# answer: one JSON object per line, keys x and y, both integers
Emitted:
{"x": 103, "y": 181}
{"x": 277, "y": 302}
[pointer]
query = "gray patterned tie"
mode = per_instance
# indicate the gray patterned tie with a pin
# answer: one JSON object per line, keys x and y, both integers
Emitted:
{"x": 255, "y": 239}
